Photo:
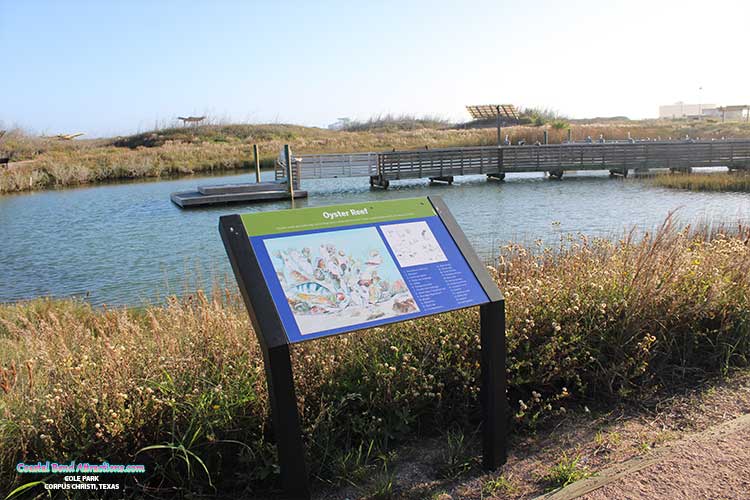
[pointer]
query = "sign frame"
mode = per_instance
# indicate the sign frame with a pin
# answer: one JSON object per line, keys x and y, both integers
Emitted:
{"x": 269, "y": 329}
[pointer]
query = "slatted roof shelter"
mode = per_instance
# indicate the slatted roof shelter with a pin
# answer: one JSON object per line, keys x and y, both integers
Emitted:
{"x": 191, "y": 119}
{"x": 492, "y": 111}
{"x": 502, "y": 114}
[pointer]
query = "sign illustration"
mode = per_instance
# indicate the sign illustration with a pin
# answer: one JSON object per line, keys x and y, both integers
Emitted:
{"x": 337, "y": 279}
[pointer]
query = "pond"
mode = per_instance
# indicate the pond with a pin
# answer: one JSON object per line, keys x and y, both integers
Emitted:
{"x": 127, "y": 244}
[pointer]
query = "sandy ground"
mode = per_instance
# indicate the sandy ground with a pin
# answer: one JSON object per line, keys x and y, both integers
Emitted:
{"x": 710, "y": 465}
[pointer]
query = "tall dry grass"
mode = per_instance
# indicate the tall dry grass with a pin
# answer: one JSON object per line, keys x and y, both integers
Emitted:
{"x": 589, "y": 320}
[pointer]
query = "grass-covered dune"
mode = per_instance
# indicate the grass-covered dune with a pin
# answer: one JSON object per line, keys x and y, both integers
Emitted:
{"x": 188, "y": 150}
{"x": 593, "y": 320}
{"x": 732, "y": 181}
{"x": 41, "y": 163}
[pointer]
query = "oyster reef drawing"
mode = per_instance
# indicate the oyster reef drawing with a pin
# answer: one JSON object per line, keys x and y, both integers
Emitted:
{"x": 335, "y": 279}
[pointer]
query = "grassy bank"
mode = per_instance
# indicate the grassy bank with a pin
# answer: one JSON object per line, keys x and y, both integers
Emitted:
{"x": 592, "y": 320}
{"x": 725, "y": 181}
{"x": 47, "y": 163}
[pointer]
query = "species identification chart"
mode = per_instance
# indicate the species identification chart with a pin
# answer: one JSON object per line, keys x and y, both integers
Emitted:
{"x": 337, "y": 269}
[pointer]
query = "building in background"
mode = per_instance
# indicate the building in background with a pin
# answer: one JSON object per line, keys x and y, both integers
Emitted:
{"x": 734, "y": 113}
{"x": 683, "y": 110}
{"x": 679, "y": 110}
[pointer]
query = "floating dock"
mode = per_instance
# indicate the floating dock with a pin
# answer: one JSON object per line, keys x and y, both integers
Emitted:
{"x": 235, "y": 193}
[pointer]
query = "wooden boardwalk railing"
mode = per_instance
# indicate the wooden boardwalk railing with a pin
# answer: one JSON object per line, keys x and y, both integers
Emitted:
{"x": 444, "y": 164}
{"x": 331, "y": 166}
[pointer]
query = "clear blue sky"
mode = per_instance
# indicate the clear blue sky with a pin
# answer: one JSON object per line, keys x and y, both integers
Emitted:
{"x": 110, "y": 67}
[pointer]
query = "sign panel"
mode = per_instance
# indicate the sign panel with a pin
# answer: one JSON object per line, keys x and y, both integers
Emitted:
{"x": 342, "y": 268}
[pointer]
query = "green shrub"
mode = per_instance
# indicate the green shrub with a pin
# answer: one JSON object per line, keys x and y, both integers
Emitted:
{"x": 566, "y": 471}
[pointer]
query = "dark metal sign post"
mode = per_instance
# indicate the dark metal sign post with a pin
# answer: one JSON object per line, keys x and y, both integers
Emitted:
{"x": 275, "y": 331}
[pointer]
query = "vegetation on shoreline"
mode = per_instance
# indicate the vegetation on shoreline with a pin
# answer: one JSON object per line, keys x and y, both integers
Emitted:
{"x": 42, "y": 163}
{"x": 724, "y": 181}
{"x": 591, "y": 320}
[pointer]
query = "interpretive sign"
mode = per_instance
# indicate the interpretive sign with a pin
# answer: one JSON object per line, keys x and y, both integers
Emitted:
{"x": 336, "y": 269}
{"x": 321, "y": 271}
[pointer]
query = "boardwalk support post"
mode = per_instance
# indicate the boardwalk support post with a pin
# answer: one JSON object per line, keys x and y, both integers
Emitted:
{"x": 500, "y": 174}
{"x": 448, "y": 179}
{"x": 380, "y": 180}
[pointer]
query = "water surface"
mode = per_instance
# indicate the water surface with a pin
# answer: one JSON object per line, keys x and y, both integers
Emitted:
{"x": 128, "y": 244}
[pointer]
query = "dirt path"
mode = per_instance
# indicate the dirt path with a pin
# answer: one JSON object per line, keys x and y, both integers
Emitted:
{"x": 712, "y": 464}
{"x": 689, "y": 445}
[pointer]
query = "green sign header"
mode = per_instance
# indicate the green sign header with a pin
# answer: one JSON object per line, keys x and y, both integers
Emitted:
{"x": 305, "y": 219}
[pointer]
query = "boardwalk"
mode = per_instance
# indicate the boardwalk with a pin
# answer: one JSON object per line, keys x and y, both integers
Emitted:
{"x": 554, "y": 159}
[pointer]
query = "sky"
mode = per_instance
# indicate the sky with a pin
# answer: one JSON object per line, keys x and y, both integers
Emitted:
{"x": 115, "y": 67}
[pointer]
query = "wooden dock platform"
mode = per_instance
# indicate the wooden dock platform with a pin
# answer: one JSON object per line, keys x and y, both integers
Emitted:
{"x": 442, "y": 165}
{"x": 235, "y": 193}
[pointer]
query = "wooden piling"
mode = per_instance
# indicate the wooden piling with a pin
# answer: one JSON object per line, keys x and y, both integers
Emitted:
{"x": 546, "y": 137}
{"x": 499, "y": 128}
{"x": 257, "y": 163}
{"x": 289, "y": 170}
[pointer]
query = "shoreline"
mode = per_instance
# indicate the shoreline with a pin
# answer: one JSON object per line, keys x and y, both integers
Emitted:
{"x": 46, "y": 163}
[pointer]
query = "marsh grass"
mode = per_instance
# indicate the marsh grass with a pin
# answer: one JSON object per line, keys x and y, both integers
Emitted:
{"x": 180, "y": 387}
{"x": 724, "y": 181}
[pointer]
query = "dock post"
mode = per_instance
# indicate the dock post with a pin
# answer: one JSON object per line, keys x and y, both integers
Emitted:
{"x": 289, "y": 170}
{"x": 499, "y": 128}
{"x": 546, "y": 137}
{"x": 257, "y": 163}
{"x": 570, "y": 134}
